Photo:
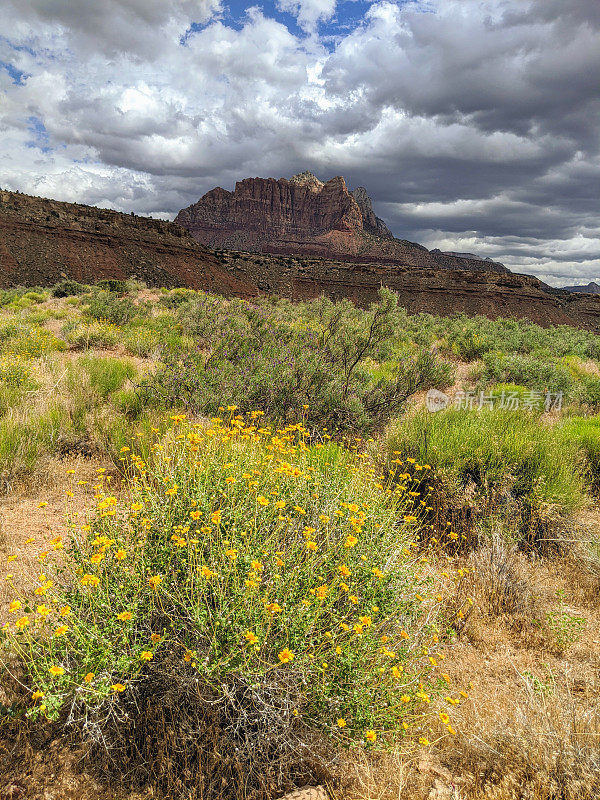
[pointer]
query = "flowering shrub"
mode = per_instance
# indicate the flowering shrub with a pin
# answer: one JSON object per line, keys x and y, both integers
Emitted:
{"x": 93, "y": 334}
{"x": 279, "y": 361}
{"x": 15, "y": 371}
{"x": 278, "y": 578}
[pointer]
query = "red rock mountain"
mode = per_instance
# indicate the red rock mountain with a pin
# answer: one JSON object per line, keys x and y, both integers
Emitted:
{"x": 42, "y": 241}
{"x": 304, "y": 216}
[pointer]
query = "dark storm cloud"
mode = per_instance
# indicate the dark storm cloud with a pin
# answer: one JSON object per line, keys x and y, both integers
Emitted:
{"x": 473, "y": 123}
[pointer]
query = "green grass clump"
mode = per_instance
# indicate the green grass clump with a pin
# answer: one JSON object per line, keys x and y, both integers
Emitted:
{"x": 584, "y": 433}
{"x": 87, "y": 335}
{"x": 528, "y": 370}
{"x": 24, "y": 439}
{"x": 265, "y": 572}
{"x": 510, "y": 457}
{"x": 107, "y": 374}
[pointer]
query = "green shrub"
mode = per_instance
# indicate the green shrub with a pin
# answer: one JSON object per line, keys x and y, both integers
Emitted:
{"x": 32, "y": 341}
{"x": 141, "y": 341}
{"x": 265, "y": 586}
{"x": 176, "y": 297}
{"x": 16, "y": 371}
{"x": 36, "y": 297}
{"x": 130, "y": 403}
{"x": 93, "y": 334}
{"x": 322, "y": 366}
{"x": 68, "y": 288}
{"x": 528, "y": 370}
{"x": 107, "y": 307}
{"x": 113, "y": 285}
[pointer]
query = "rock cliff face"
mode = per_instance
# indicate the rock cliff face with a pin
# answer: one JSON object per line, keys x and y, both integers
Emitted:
{"x": 304, "y": 216}
{"x": 42, "y": 241}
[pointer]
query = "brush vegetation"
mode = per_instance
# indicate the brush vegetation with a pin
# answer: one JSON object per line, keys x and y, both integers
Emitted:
{"x": 284, "y": 554}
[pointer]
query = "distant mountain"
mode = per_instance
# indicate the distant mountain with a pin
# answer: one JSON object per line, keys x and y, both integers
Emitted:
{"x": 43, "y": 241}
{"x": 588, "y": 288}
{"x": 304, "y": 216}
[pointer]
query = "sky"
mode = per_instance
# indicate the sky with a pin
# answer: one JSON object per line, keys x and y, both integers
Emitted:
{"x": 473, "y": 124}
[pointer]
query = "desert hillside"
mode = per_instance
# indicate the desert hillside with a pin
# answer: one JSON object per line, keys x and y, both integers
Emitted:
{"x": 242, "y": 555}
{"x": 43, "y": 241}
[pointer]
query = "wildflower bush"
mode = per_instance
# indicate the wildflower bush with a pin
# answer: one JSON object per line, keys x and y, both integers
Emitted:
{"x": 15, "y": 371}
{"x": 265, "y": 585}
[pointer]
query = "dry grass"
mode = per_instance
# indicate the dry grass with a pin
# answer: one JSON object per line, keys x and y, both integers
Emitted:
{"x": 22, "y": 518}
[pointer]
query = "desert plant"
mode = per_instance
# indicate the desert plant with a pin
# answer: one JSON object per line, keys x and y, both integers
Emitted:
{"x": 93, "y": 334}
{"x": 68, "y": 288}
{"x": 268, "y": 585}
{"x": 322, "y": 365}
{"x": 107, "y": 307}
{"x": 496, "y": 460}
{"x": 107, "y": 374}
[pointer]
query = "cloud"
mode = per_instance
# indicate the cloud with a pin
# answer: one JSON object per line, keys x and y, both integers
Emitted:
{"x": 473, "y": 123}
{"x": 308, "y": 12}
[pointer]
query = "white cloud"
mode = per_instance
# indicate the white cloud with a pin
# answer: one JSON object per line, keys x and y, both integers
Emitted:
{"x": 308, "y": 12}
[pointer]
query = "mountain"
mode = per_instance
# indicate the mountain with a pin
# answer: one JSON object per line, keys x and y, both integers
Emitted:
{"x": 589, "y": 288}
{"x": 42, "y": 241}
{"x": 304, "y": 216}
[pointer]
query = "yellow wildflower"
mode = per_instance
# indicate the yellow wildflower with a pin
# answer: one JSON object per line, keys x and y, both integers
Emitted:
{"x": 285, "y": 656}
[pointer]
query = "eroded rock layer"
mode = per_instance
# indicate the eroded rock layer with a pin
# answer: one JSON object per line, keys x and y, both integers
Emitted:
{"x": 304, "y": 216}
{"x": 434, "y": 291}
{"x": 42, "y": 241}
